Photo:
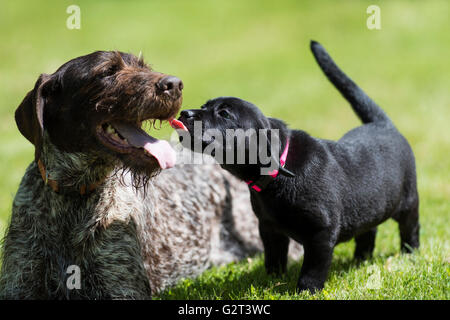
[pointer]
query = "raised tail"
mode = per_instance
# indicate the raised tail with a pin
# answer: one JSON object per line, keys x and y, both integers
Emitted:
{"x": 366, "y": 109}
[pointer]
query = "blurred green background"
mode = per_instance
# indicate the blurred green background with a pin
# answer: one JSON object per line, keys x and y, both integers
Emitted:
{"x": 258, "y": 51}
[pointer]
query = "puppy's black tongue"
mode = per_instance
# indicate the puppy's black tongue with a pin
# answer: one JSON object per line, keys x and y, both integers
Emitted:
{"x": 161, "y": 150}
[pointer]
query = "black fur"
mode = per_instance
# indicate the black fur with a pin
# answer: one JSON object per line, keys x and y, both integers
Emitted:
{"x": 341, "y": 190}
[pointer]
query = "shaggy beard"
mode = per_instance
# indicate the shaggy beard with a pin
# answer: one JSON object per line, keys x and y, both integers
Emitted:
{"x": 140, "y": 176}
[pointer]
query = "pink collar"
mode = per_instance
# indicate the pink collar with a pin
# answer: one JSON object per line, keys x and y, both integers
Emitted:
{"x": 262, "y": 182}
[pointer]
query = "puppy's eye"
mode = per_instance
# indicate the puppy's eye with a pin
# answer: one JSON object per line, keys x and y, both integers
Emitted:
{"x": 224, "y": 114}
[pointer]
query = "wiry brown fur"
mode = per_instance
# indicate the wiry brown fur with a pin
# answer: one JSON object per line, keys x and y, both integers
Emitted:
{"x": 128, "y": 242}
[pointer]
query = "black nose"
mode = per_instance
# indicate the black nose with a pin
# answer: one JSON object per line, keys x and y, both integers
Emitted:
{"x": 187, "y": 114}
{"x": 170, "y": 83}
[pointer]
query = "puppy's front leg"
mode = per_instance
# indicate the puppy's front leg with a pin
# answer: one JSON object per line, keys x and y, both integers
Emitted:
{"x": 316, "y": 262}
{"x": 276, "y": 247}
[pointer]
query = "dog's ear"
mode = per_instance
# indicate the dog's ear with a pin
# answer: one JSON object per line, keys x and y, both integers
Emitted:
{"x": 278, "y": 125}
{"x": 30, "y": 113}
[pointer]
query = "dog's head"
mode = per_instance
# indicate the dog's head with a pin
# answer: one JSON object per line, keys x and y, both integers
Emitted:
{"x": 97, "y": 103}
{"x": 232, "y": 125}
{"x": 222, "y": 114}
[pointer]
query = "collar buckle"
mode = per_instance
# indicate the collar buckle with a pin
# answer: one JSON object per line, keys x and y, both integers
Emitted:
{"x": 264, "y": 180}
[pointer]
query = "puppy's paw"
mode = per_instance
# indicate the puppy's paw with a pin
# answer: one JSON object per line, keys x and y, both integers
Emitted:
{"x": 310, "y": 284}
{"x": 275, "y": 269}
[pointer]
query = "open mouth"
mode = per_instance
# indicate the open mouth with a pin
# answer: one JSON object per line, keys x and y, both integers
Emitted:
{"x": 126, "y": 137}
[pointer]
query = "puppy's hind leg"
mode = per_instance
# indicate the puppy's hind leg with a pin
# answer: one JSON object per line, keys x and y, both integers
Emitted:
{"x": 365, "y": 243}
{"x": 409, "y": 226}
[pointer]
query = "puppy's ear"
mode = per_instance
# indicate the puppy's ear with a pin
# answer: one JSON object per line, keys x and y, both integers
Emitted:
{"x": 280, "y": 125}
{"x": 276, "y": 123}
{"x": 30, "y": 113}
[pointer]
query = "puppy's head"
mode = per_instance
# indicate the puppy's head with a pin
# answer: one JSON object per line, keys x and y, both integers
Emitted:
{"x": 221, "y": 114}
{"x": 233, "y": 126}
{"x": 96, "y": 104}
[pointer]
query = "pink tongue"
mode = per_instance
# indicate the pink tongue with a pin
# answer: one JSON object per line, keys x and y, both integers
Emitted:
{"x": 160, "y": 149}
{"x": 177, "y": 124}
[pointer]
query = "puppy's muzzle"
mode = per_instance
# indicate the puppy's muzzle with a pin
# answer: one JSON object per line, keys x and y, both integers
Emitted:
{"x": 189, "y": 114}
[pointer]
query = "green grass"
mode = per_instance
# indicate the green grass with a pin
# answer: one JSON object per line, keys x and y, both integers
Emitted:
{"x": 389, "y": 275}
{"x": 259, "y": 51}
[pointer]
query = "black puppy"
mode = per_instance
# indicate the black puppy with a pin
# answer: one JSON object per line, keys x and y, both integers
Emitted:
{"x": 341, "y": 189}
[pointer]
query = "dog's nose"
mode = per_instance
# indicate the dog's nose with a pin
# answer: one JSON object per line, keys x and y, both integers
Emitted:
{"x": 170, "y": 83}
{"x": 187, "y": 114}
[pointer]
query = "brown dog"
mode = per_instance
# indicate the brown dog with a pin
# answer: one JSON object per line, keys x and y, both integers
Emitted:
{"x": 81, "y": 227}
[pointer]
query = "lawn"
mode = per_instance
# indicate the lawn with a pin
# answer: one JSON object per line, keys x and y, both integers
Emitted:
{"x": 259, "y": 51}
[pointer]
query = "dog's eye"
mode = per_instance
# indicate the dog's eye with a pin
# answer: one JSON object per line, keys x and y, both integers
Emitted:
{"x": 224, "y": 114}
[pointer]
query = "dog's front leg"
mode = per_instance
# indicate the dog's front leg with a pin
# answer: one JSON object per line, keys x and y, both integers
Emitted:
{"x": 316, "y": 262}
{"x": 276, "y": 247}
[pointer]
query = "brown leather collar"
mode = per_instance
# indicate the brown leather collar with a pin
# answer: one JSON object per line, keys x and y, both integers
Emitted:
{"x": 84, "y": 189}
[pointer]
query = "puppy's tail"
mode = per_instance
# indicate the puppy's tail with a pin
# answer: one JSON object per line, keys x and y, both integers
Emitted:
{"x": 366, "y": 109}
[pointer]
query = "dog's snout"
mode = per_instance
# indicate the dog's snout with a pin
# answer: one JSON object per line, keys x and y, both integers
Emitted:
{"x": 170, "y": 83}
{"x": 187, "y": 114}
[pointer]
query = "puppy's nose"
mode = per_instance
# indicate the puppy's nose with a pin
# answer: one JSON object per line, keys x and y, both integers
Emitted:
{"x": 170, "y": 83}
{"x": 187, "y": 114}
